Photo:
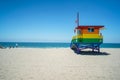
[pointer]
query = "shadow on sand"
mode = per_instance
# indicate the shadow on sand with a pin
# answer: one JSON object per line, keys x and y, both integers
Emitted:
{"x": 92, "y": 53}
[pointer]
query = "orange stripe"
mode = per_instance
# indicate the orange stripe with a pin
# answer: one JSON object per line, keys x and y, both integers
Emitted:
{"x": 85, "y": 31}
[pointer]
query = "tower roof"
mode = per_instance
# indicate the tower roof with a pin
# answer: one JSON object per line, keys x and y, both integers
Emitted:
{"x": 89, "y": 26}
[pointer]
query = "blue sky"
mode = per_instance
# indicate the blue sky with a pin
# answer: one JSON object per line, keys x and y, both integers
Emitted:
{"x": 54, "y": 20}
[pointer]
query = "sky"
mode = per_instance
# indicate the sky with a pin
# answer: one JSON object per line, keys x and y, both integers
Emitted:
{"x": 54, "y": 20}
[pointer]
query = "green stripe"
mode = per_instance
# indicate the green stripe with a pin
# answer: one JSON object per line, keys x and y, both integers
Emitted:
{"x": 87, "y": 40}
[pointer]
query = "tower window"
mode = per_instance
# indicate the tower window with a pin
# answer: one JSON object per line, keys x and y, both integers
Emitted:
{"x": 90, "y": 29}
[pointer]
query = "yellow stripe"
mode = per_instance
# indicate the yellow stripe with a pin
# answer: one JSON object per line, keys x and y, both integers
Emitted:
{"x": 88, "y": 36}
{"x": 91, "y": 36}
{"x": 77, "y": 36}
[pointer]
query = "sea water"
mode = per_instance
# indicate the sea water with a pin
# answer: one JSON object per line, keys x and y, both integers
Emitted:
{"x": 50, "y": 45}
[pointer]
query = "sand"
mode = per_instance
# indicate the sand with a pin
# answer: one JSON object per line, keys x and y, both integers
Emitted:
{"x": 59, "y": 64}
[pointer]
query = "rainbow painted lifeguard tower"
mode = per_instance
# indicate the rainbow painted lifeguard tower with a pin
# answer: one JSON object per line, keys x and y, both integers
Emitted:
{"x": 86, "y": 37}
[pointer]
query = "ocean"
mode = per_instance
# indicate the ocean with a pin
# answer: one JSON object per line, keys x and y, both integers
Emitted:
{"x": 50, "y": 45}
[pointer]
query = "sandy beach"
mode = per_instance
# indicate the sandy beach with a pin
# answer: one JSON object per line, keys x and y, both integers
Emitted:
{"x": 59, "y": 64}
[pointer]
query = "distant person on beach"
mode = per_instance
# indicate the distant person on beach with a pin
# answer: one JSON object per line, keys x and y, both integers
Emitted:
{"x": 10, "y": 47}
{"x": 1, "y": 47}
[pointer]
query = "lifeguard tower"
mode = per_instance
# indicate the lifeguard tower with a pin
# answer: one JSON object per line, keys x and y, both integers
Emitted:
{"x": 86, "y": 36}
